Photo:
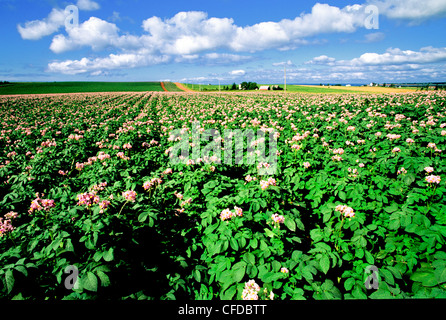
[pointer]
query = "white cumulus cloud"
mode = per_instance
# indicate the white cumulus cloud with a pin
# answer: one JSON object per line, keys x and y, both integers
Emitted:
{"x": 396, "y": 56}
{"x": 237, "y": 72}
{"x": 94, "y": 32}
{"x": 111, "y": 62}
{"x": 87, "y": 5}
{"x": 194, "y": 37}
{"x": 413, "y": 11}
{"x": 37, "y": 29}
{"x": 392, "y": 56}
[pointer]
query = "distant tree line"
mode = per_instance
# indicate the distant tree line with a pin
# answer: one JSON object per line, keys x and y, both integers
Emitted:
{"x": 243, "y": 86}
{"x": 248, "y": 86}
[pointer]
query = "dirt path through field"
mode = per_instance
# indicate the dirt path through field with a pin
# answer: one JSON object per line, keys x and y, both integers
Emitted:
{"x": 162, "y": 86}
{"x": 186, "y": 89}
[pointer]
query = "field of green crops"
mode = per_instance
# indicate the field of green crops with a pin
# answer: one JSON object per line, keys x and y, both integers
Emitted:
{"x": 93, "y": 207}
{"x": 76, "y": 87}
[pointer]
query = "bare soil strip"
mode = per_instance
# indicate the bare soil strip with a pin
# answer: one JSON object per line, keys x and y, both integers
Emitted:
{"x": 162, "y": 86}
{"x": 186, "y": 89}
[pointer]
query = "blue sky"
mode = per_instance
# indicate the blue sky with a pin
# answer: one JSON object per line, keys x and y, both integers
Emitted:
{"x": 348, "y": 41}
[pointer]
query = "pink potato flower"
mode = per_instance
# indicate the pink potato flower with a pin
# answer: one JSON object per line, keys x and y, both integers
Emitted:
{"x": 5, "y": 226}
{"x": 345, "y": 210}
{"x": 226, "y": 214}
{"x": 278, "y": 218}
{"x": 251, "y": 290}
{"x": 129, "y": 195}
{"x": 40, "y": 204}
{"x": 152, "y": 183}
{"x": 103, "y": 205}
{"x": 238, "y": 211}
{"x": 433, "y": 179}
{"x": 87, "y": 199}
{"x": 429, "y": 169}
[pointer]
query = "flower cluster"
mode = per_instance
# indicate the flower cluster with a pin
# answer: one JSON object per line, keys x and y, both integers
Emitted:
{"x": 76, "y": 137}
{"x": 90, "y": 198}
{"x": 178, "y": 195}
{"x": 129, "y": 195}
{"x": 182, "y": 203}
{"x": 103, "y": 205}
{"x": 263, "y": 165}
{"x": 102, "y": 156}
{"x": 402, "y": 171}
{"x": 296, "y": 146}
{"x": 152, "y": 183}
{"x": 345, "y": 210}
{"x": 5, "y": 226}
{"x": 228, "y": 214}
{"x": 98, "y": 187}
{"x": 433, "y": 179}
{"x": 87, "y": 199}
{"x": 49, "y": 143}
{"x": 431, "y": 145}
{"x": 185, "y": 202}
{"x": 122, "y": 156}
{"x": 11, "y": 154}
{"x": 251, "y": 290}
{"x": 11, "y": 215}
{"x": 353, "y": 172}
{"x": 40, "y": 204}
{"x": 264, "y": 184}
{"x": 277, "y": 219}
{"x": 339, "y": 151}
{"x": 91, "y": 160}
{"x": 248, "y": 178}
{"x": 392, "y": 136}
{"x": 5, "y": 223}
{"x": 429, "y": 169}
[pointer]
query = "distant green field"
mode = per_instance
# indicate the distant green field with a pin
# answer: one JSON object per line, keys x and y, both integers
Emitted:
{"x": 291, "y": 88}
{"x": 171, "y": 87}
{"x": 72, "y": 87}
